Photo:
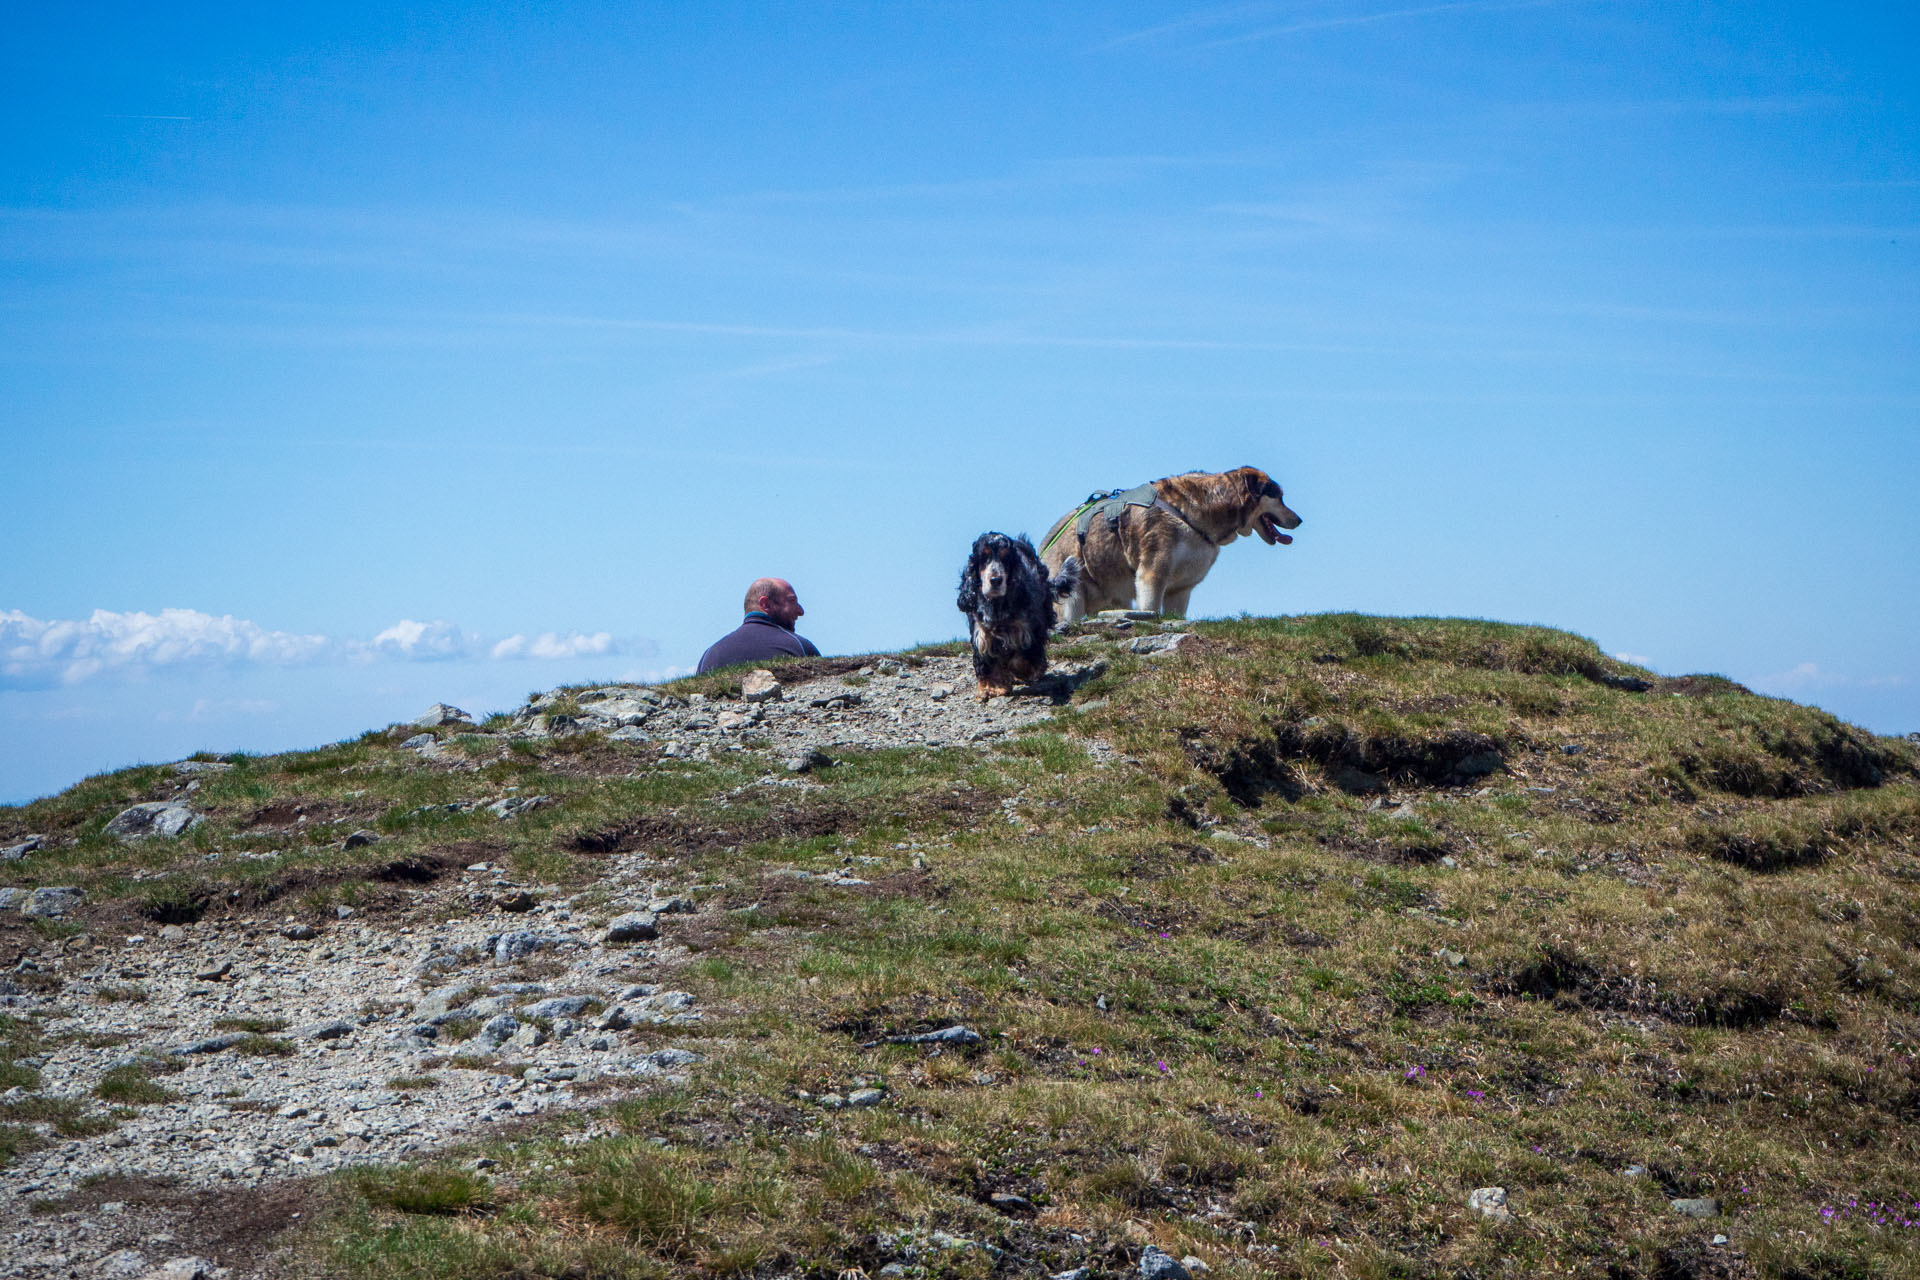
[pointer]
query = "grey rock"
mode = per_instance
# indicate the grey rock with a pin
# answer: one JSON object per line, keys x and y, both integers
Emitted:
{"x": 634, "y": 926}
{"x": 188, "y": 1268}
{"x": 1702, "y": 1207}
{"x": 202, "y": 766}
{"x": 668, "y": 1059}
{"x": 672, "y": 906}
{"x": 216, "y": 973}
{"x": 1634, "y": 1171}
{"x": 420, "y": 741}
{"x": 212, "y": 1044}
{"x": 10, "y": 899}
{"x": 629, "y": 734}
{"x": 559, "y": 1007}
{"x": 122, "y": 1264}
{"x": 519, "y": 944}
{"x": 518, "y": 902}
{"x": 1490, "y": 1202}
{"x": 638, "y": 991}
{"x": 514, "y": 806}
{"x": 760, "y": 686}
{"x": 361, "y": 839}
{"x": 1478, "y": 765}
{"x": 939, "y": 693}
{"x": 440, "y": 713}
{"x": 1160, "y": 645}
{"x": 838, "y": 700}
{"x": 155, "y": 818}
{"x": 809, "y": 760}
{"x": 614, "y": 1019}
{"x": 53, "y": 901}
{"x": 497, "y": 1031}
{"x": 300, "y": 932}
{"x": 1630, "y": 684}
{"x": 529, "y": 1036}
{"x": 343, "y": 912}
{"x": 172, "y": 933}
{"x": 946, "y": 1035}
{"x": 1077, "y": 1273}
{"x": 15, "y": 852}
{"x": 326, "y": 1030}
{"x": 1158, "y": 1265}
{"x": 866, "y": 1097}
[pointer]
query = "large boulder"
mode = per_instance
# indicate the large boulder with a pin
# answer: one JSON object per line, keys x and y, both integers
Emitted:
{"x": 53, "y": 902}
{"x": 441, "y": 713}
{"x": 163, "y": 818}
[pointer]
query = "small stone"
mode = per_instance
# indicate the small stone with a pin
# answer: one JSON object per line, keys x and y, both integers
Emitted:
{"x": 1718, "y": 1240}
{"x": 497, "y": 1031}
{"x": 440, "y": 713}
{"x": 361, "y": 839}
{"x": 185, "y": 1269}
{"x": 1158, "y": 1265}
{"x": 172, "y": 933}
{"x": 529, "y": 1036}
{"x": 1077, "y": 1273}
{"x": 1634, "y": 1171}
{"x": 760, "y": 686}
{"x": 809, "y": 760}
{"x": 291, "y": 1111}
{"x": 300, "y": 932}
{"x": 326, "y": 1030}
{"x": 634, "y": 926}
{"x": 53, "y": 902}
{"x": 1008, "y": 1202}
{"x": 672, "y": 906}
{"x": 156, "y": 818}
{"x": 866, "y": 1097}
{"x": 518, "y": 945}
{"x": 517, "y": 901}
{"x": 1196, "y": 1265}
{"x": 667, "y": 1059}
{"x": 939, "y": 693}
{"x": 1702, "y": 1207}
{"x": 15, "y": 852}
{"x": 559, "y": 1007}
{"x": 216, "y": 973}
{"x": 514, "y": 806}
{"x": 212, "y": 1044}
{"x": 419, "y": 742}
{"x": 122, "y": 1264}
{"x": 343, "y": 912}
{"x": 1451, "y": 958}
{"x": 1490, "y": 1202}
{"x": 1161, "y": 645}
{"x": 614, "y": 1019}
{"x": 838, "y": 701}
{"x": 946, "y": 1035}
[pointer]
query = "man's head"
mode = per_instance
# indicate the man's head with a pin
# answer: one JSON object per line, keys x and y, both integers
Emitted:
{"x": 775, "y": 598}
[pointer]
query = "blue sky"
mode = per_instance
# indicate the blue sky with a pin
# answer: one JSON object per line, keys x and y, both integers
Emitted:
{"x": 453, "y": 352}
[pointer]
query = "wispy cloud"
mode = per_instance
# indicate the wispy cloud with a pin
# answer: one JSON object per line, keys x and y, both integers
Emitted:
{"x": 1807, "y": 676}
{"x": 1182, "y": 30}
{"x": 551, "y": 645}
{"x": 37, "y": 653}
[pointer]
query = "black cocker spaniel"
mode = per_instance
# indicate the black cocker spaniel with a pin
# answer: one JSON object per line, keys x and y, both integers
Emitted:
{"x": 1008, "y": 598}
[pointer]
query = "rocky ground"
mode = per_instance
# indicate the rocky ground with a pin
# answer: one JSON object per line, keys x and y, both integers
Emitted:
{"x": 264, "y": 1049}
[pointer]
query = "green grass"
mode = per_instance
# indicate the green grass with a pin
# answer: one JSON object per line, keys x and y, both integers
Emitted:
{"x": 131, "y": 1086}
{"x": 253, "y": 1026}
{"x": 1359, "y": 915}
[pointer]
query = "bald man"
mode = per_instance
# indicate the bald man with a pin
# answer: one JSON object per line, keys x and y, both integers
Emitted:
{"x": 767, "y": 632}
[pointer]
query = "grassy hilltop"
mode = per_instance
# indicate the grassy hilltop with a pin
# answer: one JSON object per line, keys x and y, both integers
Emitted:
{"x": 1279, "y": 948}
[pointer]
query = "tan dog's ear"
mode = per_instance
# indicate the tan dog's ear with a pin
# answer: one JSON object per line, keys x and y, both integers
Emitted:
{"x": 1257, "y": 484}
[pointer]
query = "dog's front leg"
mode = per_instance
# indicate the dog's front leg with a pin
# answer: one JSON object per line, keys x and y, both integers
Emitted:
{"x": 1148, "y": 592}
{"x": 1174, "y": 603}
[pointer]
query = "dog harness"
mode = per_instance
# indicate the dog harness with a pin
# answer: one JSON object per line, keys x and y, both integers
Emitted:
{"x": 1113, "y": 505}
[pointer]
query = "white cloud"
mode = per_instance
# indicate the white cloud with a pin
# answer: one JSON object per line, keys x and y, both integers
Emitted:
{"x": 437, "y": 639}
{"x": 36, "y": 653}
{"x": 1637, "y": 659}
{"x": 549, "y": 645}
{"x": 65, "y": 651}
{"x": 1811, "y": 675}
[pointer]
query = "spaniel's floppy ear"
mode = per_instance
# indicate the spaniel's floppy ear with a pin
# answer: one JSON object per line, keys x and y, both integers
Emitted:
{"x": 969, "y": 602}
{"x": 1067, "y": 579}
{"x": 1258, "y": 483}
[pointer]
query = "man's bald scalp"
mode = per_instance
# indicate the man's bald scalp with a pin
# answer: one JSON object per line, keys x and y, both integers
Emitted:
{"x": 769, "y": 587}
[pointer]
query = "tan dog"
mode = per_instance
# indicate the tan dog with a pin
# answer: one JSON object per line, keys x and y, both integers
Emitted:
{"x": 1148, "y": 548}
